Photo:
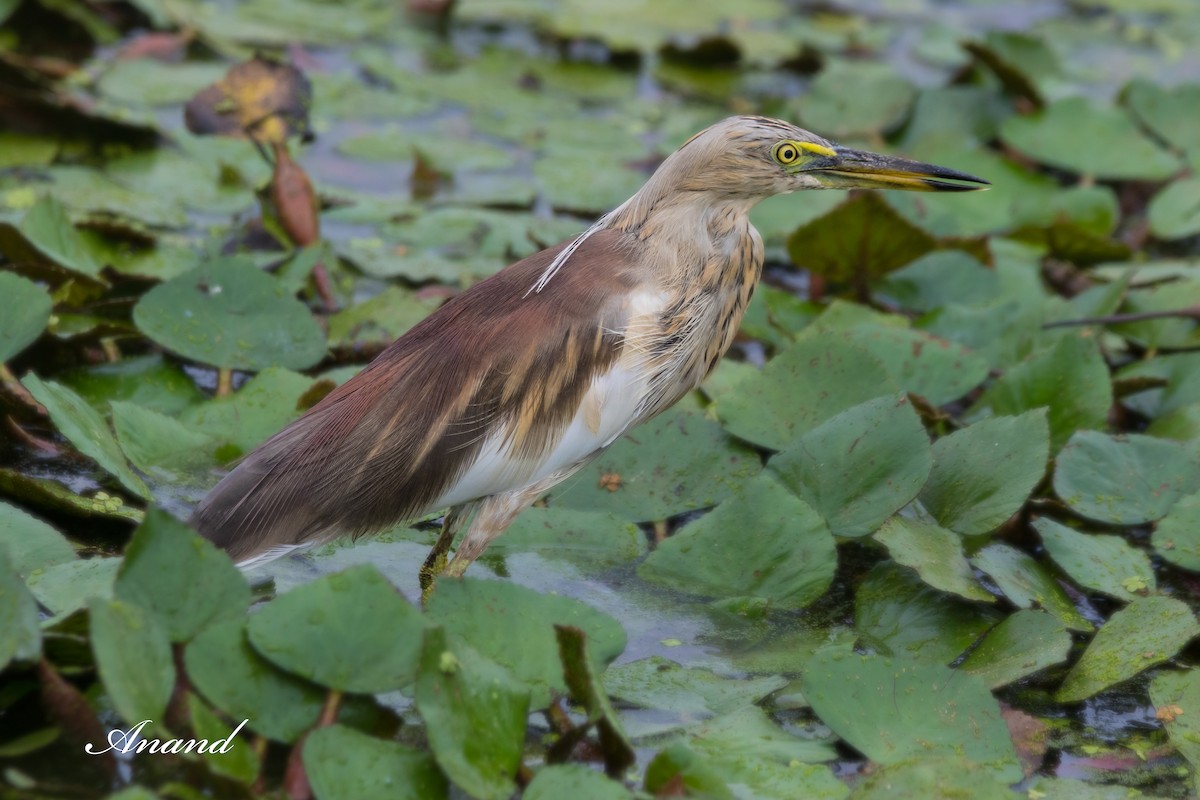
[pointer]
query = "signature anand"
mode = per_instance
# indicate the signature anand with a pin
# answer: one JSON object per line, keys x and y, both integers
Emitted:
{"x": 131, "y": 741}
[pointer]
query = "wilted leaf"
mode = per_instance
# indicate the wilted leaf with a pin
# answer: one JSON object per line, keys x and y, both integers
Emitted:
{"x": 262, "y": 99}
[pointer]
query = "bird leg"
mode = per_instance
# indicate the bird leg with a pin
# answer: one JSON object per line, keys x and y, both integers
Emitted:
{"x": 496, "y": 513}
{"x": 435, "y": 562}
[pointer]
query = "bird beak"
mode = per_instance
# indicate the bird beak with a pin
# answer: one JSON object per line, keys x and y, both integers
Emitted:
{"x": 859, "y": 169}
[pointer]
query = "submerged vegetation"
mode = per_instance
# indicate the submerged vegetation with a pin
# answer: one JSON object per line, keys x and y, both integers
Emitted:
{"x": 931, "y": 530}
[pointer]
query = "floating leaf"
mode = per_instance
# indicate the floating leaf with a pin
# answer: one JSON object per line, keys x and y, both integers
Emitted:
{"x": 85, "y": 429}
{"x": 586, "y": 690}
{"x": 1146, "y": 632}
{"x": 1027, "y": 583}
{"x": 1181, "y": 690}
{"x": 789, "y": 561}
{"x": 941, "y": 776}
{"x": 46, "y": 235}
{"x": 592, "y": 540}
{"x": 20, "y": 636}
{"x": 1174, "y": 213}
{"x": 855, "y": 98}
{"x": 1124, "y": 480}
{"x": 861, "y": 466}
{"x": 160, "y": 445}
{"x": 1177, "y": 535}
{"x": 822, "y": 375}
{"x": 896, "y": 612}
{"x": 491, "y": 615}
{"x": 1106, "y": 564}
{"x": 1069, "y": 379}
{"x": 184, "y": 581}
{"x": 230, "y": 314}
{"x": 862, "y": 239}
{"x": 935, "y": 553}
{"x": 573, "y": 780}
{"x": 679, "y": 462}
{"x": 345, "y": 764}
{"x": 1022, "y": 644}
{"x": 24, "y": 311}
{"x": 474, "y": 715}
{"x": 351, "y": 631}
{"x": 1165, "y": 110}
{"x": 69, "y": 586}
{"x": 223, "y": 757}
{"x": 938, "y": 370}
{"x": 31, "y": 544}
{"x": 1101, "y": 142}
{"x": 691, "y": 692}
{"x": 263, "y": 405}
{"x": 894, "y": 709}
{"x": 148, "y": 381}
{"x": 983, "y": 474}
{"x": 133, "y": 656}
{"x": 236, "y": 679}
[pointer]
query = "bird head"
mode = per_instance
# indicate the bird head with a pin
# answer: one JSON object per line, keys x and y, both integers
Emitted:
{"x": 757, "y": 157}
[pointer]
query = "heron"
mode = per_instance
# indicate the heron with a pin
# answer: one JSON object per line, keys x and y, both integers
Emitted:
{"x": 515, "y": 384}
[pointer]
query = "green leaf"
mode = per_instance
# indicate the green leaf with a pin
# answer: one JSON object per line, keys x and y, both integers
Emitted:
{"x": 1022, "y": 644}
{"x": 160, "y": 445}
{"x": 591, "y": 540}
{"x": 1106, "y": 564}
{"x": 47, "y": 234}
{"x": 259, "y": 409}
{"x": 855, "y": 98}
{"x": 441, "y": 150}
{"x": 588, "y": 693}
{"x": 236, "y": 679}
{"x": 239, "y": 760}
{"x": 229, "y": 313}
{"x": 344, "y": 764}
{"x": 85, "y": 429}
{"x": 1165, "y": 110}
{"x": 679, "y": 462}
{"x": 491, "y": 615}
{"x": 678, "y": 765}
{"x": 789, "y": 561}
{"x": 30, "y": 543}
{"x": 133, "y": 656}
{"x": 20, "y": 634}
{"x": 859, "y": 467}
{"x": 183, "y": 580}
{"x": 821, "y": 375}
{"x": 862, "y": 239}
{"x": 381, "y": 319}
{"x": 894, "y": 709}
{"x": 574, "y": 781}
{"x": 940, "y": 278}
{"x": 69, "y": 586}
{"x": 1163, "y": 333}
{"x": 935, "y": 553}
{"x": 1124, "y": 480}
{"x": 1146, "y": 632}
{"x": 921, "y": 363}
{"x": 941, "y": 776}
{"x": 1027, "y": 584}
{"x": 1174, "y": 213}
{"x": 983, "y": 474}
{"x": 1069, "y": 379}
{"x": 1178, "y": 695}
{"x": 1101, "y": 142}
{"x": 351, "y": 631}
{"x": 1177, "y": 535}
{"x": 151, "y": 382}
{"x": 24, "y": 311}
{"x": 691, "y": 692}
{"x": 897, "y": 613}
{"x": 474, "y": 715}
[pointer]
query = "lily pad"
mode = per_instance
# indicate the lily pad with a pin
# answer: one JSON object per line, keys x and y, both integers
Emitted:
{"x": 345, "y": 764}
{"x": 160, "y": 445}
{"x": 230, "y": 314}
{"x": 31, "y": 543}
{"x": 822, "y": 375}
{"x": 1124, "y": 480}
{"x": 184, "y": 581}
{"x": 1164, "y": 110}
{"x": 1102, "y": 142}
{"x": 861, "y": 466}
{"x": 1174, "y": 213}
{"x": 24, "y": 312}
{"x": 923, "y": 364}
{"x": 788, "y": 559}
{"x": 591, "y": 540}
{"x": 576, "y": 781}
{"x": 263, "y": 405}
{"x": 1177, "y": 535}
{"x": 1176, "y": 697}
{"x": 1069, "y": 379}
{"x": 351, "y": 631}
{"x": 935, "y": 553}
{"x": 1106, "y": 564}
{"x": 983, "y": 474}
{"x": 1024, "y": 643}
{"x": 691, "y": 692}
{"x": 855, "y": 98}
{"x": 46, "y": 234}
{"x": 491, "y": 615}
{"x": 69, "y": 586}
{"x": 895, "y": 709}
{"x": 85, "y": 429}
{"x": 680, "y": 461}
{"x": 133, "y": 656}
{"x": 148, "y": 381}
{"x": 474, "y": 715}
{"x": 1146, "y": 632}
{"x": 1027, "y": 584}
{"x": 20, "y": 636}
{"x": 939, "y": 278}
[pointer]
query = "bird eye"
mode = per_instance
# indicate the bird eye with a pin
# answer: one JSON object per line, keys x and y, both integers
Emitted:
{"x": 786, "y": 153}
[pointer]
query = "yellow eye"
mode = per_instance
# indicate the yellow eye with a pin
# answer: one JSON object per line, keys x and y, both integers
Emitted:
{"x": 786, "y": 153}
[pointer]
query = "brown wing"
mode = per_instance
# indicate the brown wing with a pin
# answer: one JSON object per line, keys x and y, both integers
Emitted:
{"x": 384, "y": 446}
